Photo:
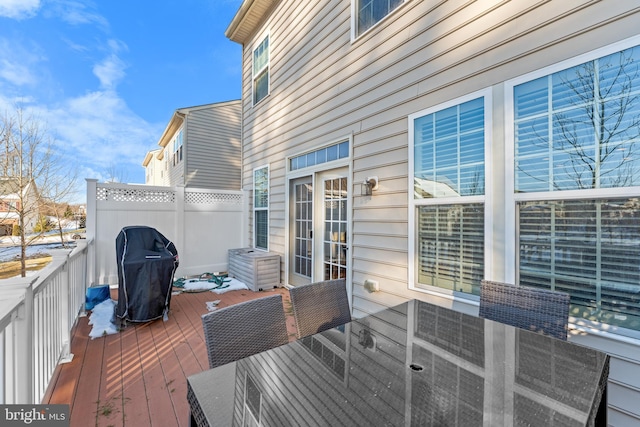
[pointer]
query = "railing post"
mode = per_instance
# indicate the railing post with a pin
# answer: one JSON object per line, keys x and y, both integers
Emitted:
{"x": 82, "y": 245}
{"x": 179, "y": 239}
{"x": 22, "y": 339}
{"x": 91, "y": 226}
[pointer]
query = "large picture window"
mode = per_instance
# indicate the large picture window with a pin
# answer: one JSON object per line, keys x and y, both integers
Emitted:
{"x": 261, "y": 208}
{"x": 576, "y": 185}
{"x": 261, "y": 70}
{"x": 448, "y": 175}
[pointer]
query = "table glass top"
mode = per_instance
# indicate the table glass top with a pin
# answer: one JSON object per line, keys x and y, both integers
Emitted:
{"x": 413, "y": 364}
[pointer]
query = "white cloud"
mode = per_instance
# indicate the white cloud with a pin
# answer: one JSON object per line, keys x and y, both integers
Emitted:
{"x": 17, "y": 62}
{"x": 111, "y": 69}
{"x": 15, "y": 73}
{"x": 77, "y": 12}
{"x": 19, "y": 9}
{"x": 100, "y": 130}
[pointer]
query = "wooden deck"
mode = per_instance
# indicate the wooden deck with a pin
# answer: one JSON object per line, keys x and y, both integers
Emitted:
{"x": 138, "y": 377}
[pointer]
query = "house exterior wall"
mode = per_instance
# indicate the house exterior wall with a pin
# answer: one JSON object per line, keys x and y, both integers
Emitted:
{"x": 212, "y": 147}
{"x": 210, "y": 153}
{"x": 9, "y": 215}
{"x": 154, "y": 169}
{"x": 325, "y": 86}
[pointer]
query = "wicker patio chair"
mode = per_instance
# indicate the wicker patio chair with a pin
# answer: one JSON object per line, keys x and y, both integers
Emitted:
{"x": 538, "y": 310}
{"x": 320, "y": 306}
{"x": 244, "y": 329}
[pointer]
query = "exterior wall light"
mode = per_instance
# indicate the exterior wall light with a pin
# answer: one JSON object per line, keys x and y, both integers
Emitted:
{"x": 368, "y": 185}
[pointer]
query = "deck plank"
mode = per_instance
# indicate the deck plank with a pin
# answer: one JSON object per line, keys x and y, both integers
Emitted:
{"x": 64, "y": 381}
{"x": 138, "y": 377}
{"x": 110, "y": 410}
{"x": 134, "y": 396}
{"x": 85, "y": 406}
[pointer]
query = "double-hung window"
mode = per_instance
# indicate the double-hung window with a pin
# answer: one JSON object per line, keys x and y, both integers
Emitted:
{"x": 177, "y": 148}
{"x": 447, "y": 203}
{"x": 261, "y": 208}
{"x": 576, "y": 184}
{"x": 370, "y": 12}
{"x": 261, "y": 70}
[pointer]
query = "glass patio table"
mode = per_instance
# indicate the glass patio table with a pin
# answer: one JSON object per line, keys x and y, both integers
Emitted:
{"x": 412, "y": 364}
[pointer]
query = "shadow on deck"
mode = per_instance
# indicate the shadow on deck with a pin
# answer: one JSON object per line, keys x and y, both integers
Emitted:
{"x": 138, "y": 377}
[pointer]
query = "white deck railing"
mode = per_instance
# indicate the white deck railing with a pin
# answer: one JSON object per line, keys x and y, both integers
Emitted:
{"x": 36, "y": 317}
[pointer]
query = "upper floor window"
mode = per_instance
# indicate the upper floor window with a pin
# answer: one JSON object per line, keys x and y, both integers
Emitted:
{"x": 261, "y": 70}
{"x": 448, "y": 200}
{"x": 177, "y": 148}
{"x": 370, "y": 12}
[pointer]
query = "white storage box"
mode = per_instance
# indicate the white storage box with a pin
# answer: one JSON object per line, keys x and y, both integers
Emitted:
{"x": 257, "y": 269}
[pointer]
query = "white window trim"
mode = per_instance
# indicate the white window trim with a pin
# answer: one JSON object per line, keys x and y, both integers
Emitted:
{"x": 354, "y": 19}
{"x": 609, "y": 331}
{"x": 510, "y": 197}
{"x": 312, "y": 171}
{"x": 266, "y": 34}
{"x": 486, "y": 199}
{"x": 254, "y": 209}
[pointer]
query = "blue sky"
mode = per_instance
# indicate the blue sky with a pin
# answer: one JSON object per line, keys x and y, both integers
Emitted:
{"x": 104, "y": 77}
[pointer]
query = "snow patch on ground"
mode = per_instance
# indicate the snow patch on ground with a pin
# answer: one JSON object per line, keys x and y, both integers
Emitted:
{"x": 101, "y": 318}
{"x": 196, "y": 284}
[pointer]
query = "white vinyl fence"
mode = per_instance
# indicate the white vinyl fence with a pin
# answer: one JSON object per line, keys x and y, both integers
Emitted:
{"x": 203, "y": 224}
{"x": 37, "y": 314}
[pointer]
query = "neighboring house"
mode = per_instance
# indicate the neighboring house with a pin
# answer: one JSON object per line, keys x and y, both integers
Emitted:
{"x": 154, "y": 168}
{"x": 500, "y": 140}
{"x": 200, "y": 147}
{"x": 11, "y": 201}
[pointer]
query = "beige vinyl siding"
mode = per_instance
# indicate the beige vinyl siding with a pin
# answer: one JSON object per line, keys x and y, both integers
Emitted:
{"x": 175, "y": 172}
{"x": 324, "y": 87}
{"x": 212, "y": 147}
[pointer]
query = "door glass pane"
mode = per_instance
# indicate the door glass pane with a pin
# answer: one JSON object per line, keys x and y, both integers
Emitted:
{"x": 335, "y": 226}
{"x": 303, "y": 229}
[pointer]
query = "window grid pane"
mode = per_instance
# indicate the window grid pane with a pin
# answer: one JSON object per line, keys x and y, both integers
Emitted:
{"x": 371, "y": 12}
{"x": 449, "y": 152}
{"x": 451, "y": 246}
{"x": 261, "y": 207}
{"x": 323, "y": 155}
{"x": 580, "y": 128}
{"x": 589, "y": 249}
{"x": 261, "y": 71}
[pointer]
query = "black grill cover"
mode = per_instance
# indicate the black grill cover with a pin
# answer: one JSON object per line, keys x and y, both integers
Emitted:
{"x": 146, "y": 262}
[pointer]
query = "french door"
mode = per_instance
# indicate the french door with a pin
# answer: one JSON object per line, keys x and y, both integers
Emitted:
{"x": 318, "y": 227}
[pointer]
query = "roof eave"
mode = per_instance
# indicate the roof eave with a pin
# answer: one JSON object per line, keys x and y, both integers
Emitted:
{"x": 172, "y": 127}
{"x": 247, "y": 19}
